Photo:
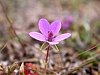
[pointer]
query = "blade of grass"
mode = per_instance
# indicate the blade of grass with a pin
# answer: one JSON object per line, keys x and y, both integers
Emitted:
{"x": 3, "y": 47}
{"x": 84, "y": 63}
{"x": 87, "y": 50}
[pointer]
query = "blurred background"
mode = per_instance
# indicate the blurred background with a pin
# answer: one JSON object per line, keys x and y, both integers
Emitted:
{"x": 19, "y": 17}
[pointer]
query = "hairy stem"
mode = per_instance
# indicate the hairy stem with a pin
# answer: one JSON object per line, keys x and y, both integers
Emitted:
{"x": 46, "y": 60}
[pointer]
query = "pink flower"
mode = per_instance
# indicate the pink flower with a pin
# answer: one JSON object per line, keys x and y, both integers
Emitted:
{"x": 67, "y": 22}
{"x": 49, "y": 32}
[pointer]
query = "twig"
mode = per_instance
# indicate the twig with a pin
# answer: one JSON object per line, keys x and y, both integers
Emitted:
{"x": 9, "y": 21}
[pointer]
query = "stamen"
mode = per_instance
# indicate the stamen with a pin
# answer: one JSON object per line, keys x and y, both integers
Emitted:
{"x": 50, "y": 36}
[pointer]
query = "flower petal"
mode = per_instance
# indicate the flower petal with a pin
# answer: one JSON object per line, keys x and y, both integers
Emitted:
{"x": 44, "y": 26}
{"x": 55, "y": 27}
{"x": 53, "y": 43}
{"x": 37, "y": 36}
{"x": 62, "y": 37}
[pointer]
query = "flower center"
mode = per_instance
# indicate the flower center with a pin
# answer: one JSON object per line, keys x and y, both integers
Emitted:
{"x": 50, "y": 36}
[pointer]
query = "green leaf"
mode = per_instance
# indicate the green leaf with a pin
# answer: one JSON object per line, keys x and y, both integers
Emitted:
{"x": 44, "y": 45}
